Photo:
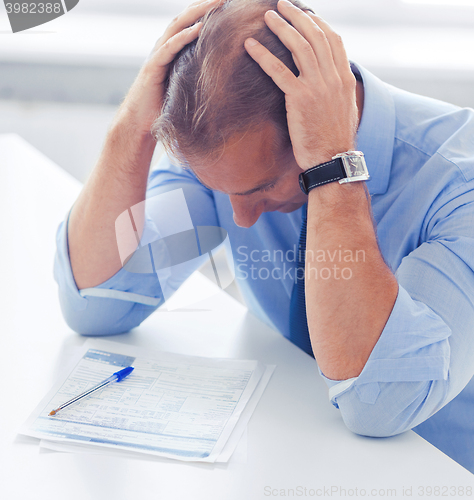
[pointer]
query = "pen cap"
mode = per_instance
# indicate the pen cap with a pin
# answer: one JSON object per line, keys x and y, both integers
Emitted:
{"x": 123, "y": 373}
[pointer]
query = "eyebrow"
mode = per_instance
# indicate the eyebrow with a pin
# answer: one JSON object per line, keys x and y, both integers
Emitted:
{"x": 261, "y": 186}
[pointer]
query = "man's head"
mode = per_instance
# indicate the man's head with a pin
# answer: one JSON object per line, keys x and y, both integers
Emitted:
{"x": 224, "y": 117}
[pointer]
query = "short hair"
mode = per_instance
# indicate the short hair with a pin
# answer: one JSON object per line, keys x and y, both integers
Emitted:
{"x": 215, "y": 90}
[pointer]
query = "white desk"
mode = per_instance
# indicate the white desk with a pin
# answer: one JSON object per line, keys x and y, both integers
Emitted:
{"x": 295, "y": 438}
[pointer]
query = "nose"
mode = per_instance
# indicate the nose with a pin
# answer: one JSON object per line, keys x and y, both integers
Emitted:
{"x": 246, "y": 212}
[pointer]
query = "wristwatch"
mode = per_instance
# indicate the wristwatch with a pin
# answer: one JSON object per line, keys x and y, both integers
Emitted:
{"x": 344, "y": 167}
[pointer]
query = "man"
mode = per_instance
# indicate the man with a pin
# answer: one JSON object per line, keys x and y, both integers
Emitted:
{"x": 257, "y": 99}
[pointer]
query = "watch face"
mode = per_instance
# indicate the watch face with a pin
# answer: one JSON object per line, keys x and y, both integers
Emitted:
{"x": 355, "y": 168}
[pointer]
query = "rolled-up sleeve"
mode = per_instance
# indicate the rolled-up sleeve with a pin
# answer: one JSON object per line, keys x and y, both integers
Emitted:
{"x": 115, "y": 306}
{"x": 425, "y": 354}
{"x": 126, "y": 299}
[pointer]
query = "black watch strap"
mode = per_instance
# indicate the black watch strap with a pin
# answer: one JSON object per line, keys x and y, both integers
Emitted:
{"x": 322, "y": 174}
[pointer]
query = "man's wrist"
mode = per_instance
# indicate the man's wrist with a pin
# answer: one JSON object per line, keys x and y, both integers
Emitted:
{"x": 334, "y": 201}
{"x": 128, "y": 149}
{"x": 131, "y": 121}
{"x": 313, "y": 163}
{"x": 323, "y": 157}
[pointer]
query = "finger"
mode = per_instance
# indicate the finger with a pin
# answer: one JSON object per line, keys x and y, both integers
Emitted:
{"x": 311, "y": 32}
{"x": 337, "y": 46}
{"x": 301, "y": 50}
{"x": 167, "y": 52}
{"x": 186, "y": 19}
{"x": 189, "y": 16}
{"x": 273, "y": 67}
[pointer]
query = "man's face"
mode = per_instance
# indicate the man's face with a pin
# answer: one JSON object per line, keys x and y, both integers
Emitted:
{"x": 256, "y": 179}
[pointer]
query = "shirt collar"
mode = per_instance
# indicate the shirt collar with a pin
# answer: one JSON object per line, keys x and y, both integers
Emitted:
{"x": 376, "y": 133}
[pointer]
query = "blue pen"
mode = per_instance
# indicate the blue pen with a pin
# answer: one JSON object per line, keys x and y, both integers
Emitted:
{"x": 116, "y": 377}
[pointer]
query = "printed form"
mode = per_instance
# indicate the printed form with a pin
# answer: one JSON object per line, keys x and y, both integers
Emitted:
{"x": 176, "y": 406}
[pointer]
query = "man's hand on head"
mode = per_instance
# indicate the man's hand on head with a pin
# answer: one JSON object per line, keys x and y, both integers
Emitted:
{"x": 321, "y": 101}
{"x": 145, "y": 98}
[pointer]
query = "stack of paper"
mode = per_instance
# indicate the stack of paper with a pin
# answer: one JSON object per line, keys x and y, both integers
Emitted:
{"x": 181, "y": 407}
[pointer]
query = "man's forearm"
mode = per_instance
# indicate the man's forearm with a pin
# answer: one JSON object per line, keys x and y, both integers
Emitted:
{"x": 350, "y": 291}
{"x": 119, "y": 179}
{"x": 117, "y": 183}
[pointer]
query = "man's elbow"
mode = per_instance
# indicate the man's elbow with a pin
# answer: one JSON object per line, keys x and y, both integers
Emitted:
{"x": 398, "y": 408}
{"x": 364, "y": 425}
{"x": 104, "y": 316}
{"x": 84, "y": 324}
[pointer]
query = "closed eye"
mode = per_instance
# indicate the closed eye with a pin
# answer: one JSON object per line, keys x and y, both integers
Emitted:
{"x": 269, "y": 187}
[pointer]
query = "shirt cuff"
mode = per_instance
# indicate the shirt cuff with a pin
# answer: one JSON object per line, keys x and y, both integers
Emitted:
{"x": 413, "y": 347}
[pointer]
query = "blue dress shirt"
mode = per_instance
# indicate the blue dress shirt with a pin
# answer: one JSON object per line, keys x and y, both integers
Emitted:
{"x": 420, "y": 155}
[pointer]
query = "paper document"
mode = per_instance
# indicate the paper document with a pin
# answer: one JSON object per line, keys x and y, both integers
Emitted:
{"x": 176, "y": 406}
